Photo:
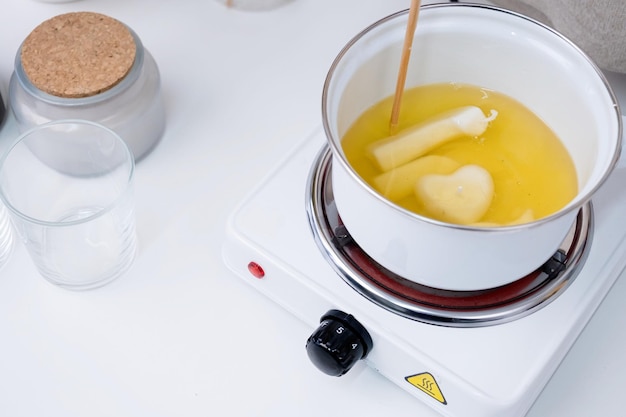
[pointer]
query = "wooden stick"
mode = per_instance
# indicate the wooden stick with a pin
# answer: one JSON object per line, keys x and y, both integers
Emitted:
{"x": 404, "y": 63}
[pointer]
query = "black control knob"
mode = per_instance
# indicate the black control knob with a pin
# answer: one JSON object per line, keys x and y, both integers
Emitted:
{"x": 338, "y": 343}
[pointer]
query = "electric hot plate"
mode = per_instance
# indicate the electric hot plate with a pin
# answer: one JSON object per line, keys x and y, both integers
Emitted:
{"x": 460, "y": 360}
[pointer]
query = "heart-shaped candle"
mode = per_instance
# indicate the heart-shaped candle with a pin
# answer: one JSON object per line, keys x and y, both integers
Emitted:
{"x": 462, "y": 197}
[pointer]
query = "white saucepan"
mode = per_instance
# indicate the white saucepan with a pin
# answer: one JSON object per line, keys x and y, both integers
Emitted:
{"x": 491, "y": 48}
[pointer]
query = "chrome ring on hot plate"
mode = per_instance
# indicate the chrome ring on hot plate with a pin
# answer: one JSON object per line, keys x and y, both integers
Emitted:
{"x": 430, "y": 305}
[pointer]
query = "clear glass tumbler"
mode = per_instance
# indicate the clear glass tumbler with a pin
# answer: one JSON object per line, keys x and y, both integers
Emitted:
{"x": 6, "y": 236}
{"x": 68, "y": 187}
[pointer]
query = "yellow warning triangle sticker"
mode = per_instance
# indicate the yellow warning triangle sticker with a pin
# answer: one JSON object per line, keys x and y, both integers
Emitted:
{"x": 426, "y": 383}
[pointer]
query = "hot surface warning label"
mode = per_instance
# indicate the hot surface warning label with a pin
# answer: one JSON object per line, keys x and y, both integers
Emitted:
{"x": 427, "y": 384}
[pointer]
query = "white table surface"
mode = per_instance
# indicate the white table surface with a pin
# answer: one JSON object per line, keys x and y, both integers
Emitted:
{"x": 180, "y": 335}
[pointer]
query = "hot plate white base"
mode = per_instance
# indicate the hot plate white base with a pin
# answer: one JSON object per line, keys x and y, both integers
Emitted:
{"x": 489, "y": 371}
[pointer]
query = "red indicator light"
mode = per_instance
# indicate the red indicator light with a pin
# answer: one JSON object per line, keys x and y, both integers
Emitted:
{"x": 256, "y": 270}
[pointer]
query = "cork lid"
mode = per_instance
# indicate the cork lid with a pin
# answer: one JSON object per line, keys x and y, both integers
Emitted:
{"x": 78, "y": 54}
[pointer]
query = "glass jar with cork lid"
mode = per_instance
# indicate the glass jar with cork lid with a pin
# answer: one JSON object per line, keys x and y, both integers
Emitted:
{"x": 86, "y": 65}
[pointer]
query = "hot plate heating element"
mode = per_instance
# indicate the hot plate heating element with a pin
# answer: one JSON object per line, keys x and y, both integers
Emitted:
{"x": 431, "y": 305}
{"x": 460, "y": 360}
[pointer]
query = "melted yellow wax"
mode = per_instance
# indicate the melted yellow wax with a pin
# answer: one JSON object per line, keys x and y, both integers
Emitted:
{"x": 531, "y": 169}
